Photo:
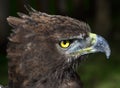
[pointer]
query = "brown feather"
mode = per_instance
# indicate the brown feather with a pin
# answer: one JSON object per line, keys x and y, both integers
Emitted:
{"x": 34, "y": 62}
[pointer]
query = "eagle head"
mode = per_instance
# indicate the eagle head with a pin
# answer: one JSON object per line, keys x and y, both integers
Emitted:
{"x": 43, "y": 49}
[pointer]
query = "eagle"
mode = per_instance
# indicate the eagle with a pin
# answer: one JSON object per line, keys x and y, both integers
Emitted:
{"x": 44, "y": 50}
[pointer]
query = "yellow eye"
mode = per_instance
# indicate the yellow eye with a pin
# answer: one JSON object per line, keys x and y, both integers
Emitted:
{"x": 65, "y": 44}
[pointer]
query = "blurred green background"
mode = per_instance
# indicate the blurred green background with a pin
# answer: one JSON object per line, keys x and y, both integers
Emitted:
{"x": 104, "y": 19}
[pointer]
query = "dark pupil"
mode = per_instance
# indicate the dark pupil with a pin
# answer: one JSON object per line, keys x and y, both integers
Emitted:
{"x": 64, "y": 42}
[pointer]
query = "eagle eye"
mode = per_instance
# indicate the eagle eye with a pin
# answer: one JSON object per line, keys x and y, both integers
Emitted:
{"x": 65, "y": 43}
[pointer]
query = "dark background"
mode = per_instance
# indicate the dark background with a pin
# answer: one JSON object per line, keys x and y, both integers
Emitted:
{"x": 104, "y": 19}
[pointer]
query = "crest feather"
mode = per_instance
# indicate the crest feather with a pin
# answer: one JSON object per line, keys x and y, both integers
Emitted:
{"x": 14, "y": 21}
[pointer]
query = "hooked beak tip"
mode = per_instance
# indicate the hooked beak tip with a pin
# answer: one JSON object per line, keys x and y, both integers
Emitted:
{"x": 101, "y": 45}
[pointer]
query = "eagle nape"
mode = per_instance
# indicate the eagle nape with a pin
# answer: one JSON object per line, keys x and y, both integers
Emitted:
{"x": 42, "y": 50}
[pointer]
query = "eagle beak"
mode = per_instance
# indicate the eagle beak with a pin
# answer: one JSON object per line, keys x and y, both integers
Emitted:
{"x": 96, "y": 44}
